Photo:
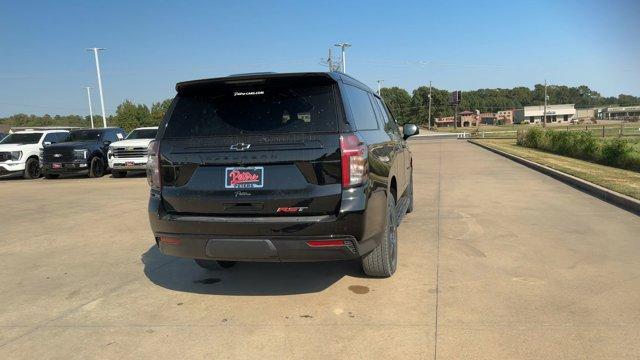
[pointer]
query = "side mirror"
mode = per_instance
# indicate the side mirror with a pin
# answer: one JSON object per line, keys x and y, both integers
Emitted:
{"x": 106, "y": 143}
{"x": 409, "y": 130}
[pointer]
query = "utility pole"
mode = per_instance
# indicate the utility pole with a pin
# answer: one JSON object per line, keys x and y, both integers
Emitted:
{"x": 330, "y": 61}
{"x": 343, "y": 46}
{"x": 455, "y": 118}
{"x": 429, "y": 121}
{"x": 544, "y": 113}
{"x": 95, "y": 53}
{"x": 90, "y": 108}
{"x": 379, "y": 87}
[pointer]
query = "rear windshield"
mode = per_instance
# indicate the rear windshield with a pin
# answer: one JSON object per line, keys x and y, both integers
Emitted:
{"x": 142, "y": 134}
{"x": 22, "y": 138}
{"x": 273, "y": 108}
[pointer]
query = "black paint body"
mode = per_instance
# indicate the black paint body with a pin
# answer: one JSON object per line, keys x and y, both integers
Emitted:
{"x": 300, "y": 170}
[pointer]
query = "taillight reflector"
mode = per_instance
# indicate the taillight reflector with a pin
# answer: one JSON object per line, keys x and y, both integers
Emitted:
{"x": 169, "y": 240}
{"x": 325, "y": 243}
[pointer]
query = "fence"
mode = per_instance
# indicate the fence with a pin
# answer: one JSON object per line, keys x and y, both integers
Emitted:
{"x": 629, "y": 130}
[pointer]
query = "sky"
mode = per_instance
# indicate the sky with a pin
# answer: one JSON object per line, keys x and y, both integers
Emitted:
{"x": 458, "y": 45}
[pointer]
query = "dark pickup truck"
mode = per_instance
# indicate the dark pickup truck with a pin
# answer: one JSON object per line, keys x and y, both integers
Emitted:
{"x": 82, "y": 152}
{"x": 280, "y": 167}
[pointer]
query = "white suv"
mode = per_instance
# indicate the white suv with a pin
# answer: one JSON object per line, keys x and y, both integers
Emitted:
{"x": 20, "y": 151}
{"x": 130, "y": 153}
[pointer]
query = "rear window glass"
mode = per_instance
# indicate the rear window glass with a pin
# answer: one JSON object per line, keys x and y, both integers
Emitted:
{"x": 83, "y": 135}
{"x": 142, "y": 134}
{"x": 361, "y": 108}
{"x": 260, "y": 109}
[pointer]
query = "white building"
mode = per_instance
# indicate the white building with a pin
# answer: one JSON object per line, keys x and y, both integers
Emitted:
{"x": 562, "y": 113}
{"x": 619, "y": 112}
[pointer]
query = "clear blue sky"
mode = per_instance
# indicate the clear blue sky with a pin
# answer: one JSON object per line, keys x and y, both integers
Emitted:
{"x": 467, "y": 44}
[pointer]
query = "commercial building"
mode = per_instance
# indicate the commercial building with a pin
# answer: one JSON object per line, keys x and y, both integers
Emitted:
{"x": 561, "y": 113}
{"x": 586, "y": 114}
{"x": 619, "y": 113}
{"x": 488, "y": 118}
{"x": 505, "y": 117}
{"x": 518, "y": 116}
{"x": 445, "y": 121}
{"x": 468, "y": 118}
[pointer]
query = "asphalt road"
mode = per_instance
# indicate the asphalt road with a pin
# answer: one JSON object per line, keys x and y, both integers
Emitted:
{"x": 496, "y": 262}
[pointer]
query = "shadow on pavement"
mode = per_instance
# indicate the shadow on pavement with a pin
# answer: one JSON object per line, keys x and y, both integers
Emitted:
{"x": 245, "y": 278}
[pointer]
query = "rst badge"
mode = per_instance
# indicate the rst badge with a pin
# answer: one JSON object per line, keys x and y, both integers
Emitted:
{"x": 244, "y": 177}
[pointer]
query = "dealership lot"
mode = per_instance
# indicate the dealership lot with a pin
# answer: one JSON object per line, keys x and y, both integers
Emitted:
{"x": 496, "y": 261}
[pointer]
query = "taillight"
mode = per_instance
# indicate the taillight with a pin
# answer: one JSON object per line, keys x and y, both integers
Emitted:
{"x": 355, "y": 167}
{"x": 153, "y": 165}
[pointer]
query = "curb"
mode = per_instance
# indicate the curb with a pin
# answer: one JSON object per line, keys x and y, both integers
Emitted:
{"x": 620, "y": 200}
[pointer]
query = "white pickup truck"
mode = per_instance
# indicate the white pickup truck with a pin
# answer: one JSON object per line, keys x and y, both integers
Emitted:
{"x": 20, "y": 151}
{"x": 130, "y": 153}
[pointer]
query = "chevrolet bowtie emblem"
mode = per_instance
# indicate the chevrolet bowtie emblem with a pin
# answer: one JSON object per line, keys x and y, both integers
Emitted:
{"x": 240, "y": 147}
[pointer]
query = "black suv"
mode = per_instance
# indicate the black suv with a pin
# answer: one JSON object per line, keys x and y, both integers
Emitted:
{"x": 280, "y": 167}
{"x": 83, "y": 151}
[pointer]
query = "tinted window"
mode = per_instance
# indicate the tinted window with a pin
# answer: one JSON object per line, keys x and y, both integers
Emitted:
{"x": 361, "y": 108}
{"x": 389, "y": 124}
{"x": 22, "y": 138}
{"x": 143, "y": 134}
{"x": 273, "y": 108}
{"x": 52, "y": 137}
{"x": 60, "y": 137}
{"x": 83, "y": 135}
{"x": 113, "y": 135}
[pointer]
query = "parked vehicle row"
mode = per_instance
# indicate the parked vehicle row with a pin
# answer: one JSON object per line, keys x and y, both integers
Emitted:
{"x": 90, "y": 152}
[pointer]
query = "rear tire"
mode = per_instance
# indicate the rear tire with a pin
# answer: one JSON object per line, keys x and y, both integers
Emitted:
{"x": 118, "y": 174}
{"x": 32, "y": 169}
{"x": 97, "y": 168}
{"x": 382, "y": 261}
{"x": 213, "y": 264}
{"x": 51, "y": 176}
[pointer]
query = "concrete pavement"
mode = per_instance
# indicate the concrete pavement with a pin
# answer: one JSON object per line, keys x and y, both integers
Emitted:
{"x": 497, "y": 261}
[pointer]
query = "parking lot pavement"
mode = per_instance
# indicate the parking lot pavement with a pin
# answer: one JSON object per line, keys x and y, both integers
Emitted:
{"x": 496, "y": 261}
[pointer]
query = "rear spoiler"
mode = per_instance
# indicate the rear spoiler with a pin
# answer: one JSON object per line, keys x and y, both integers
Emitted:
{"x": 254, "y": 78}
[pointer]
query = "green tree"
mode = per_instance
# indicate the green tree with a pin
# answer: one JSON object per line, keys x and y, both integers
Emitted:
{"x": 158, "y": 110}
{"x": 130, "y": 116}
{"x": 439, "y": 104}
{"x": 399, "y": 101}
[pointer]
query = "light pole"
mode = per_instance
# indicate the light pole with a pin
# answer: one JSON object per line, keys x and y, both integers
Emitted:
{"x": 429, "y": 119}
{"x": 90, "y": 108}
{"x": 95, "y": 53}
{"x": 344, "y": 58}
{"x": 379, "y": 87}
{"x": 544, "y": 112}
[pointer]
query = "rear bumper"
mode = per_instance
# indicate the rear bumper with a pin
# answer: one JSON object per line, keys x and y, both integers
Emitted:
{"x": 272, "y": 238}
{"x": 285, "y": 248}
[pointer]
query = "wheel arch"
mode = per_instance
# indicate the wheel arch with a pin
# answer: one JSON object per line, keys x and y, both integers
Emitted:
{"x": 393, "y": 188}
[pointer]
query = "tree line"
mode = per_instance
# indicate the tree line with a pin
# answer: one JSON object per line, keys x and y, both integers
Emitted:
{"x": 415, "y": 107}
{"x": 128, "y": 116}
{"x": 406, "y": 107}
